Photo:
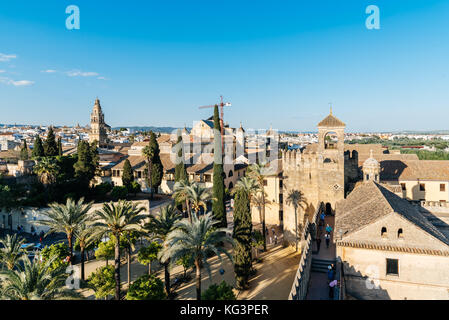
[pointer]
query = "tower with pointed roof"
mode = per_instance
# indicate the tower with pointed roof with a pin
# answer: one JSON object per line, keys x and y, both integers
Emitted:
{"x": 97, "y": 125}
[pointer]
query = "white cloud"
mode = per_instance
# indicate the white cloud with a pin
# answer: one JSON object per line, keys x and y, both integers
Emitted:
{"x": 7, "y": 57}
{"x": 2, "y": 71}
{"x": 78, "y": 73}
{"x": 102, "y": 78}
{"x": 49, "y": 71}
{"x": 16, "y": 83}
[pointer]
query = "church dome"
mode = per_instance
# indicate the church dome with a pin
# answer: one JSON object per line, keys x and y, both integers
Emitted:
{"x": 331, "y": 121}
{"x": 371, "y": 162}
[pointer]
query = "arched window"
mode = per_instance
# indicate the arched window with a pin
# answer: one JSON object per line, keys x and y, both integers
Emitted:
{"x": 400, "y": 234}
{"x": 230, "y": 174}
{"x": 383, "y": 233}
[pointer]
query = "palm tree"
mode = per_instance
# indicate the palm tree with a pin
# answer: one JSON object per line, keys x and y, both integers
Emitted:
{"x": 11, "y": 251}
{"x": 258, "y": 172}
{"x": 181, "y": 193}
{"x": 115, "y": 219}
{"x": 296, "y": 199}
{"x": 66, "y": 218}
{"x": 199, "y": 196}
{"x": 85, "y": 238}
{"x": 148, "y": 153}
{"x": 198, "y": 239}
{"x": 46, "y": 169}
{"x": 160, "y": 226}
{"x": 35, "y": 281}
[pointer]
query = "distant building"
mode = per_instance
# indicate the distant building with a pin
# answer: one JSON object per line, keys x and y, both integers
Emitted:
{"x": 98, "y": 128}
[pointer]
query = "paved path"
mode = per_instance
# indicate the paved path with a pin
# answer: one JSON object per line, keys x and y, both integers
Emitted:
{"x": 318, "y": 286}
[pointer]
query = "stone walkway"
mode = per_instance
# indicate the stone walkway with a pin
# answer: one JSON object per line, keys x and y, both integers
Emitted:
{"x": 318, "y": 285}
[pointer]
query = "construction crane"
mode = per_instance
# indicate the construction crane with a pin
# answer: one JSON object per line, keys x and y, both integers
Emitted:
{"x": 221, "y": 105}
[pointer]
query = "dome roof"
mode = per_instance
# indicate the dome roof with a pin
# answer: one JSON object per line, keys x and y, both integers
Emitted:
{"x": 331, "y": 121}
{"x": 371, "y": 162}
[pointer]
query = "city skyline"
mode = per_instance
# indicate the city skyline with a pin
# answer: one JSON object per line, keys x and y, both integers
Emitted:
{"x": 279, "y": 65}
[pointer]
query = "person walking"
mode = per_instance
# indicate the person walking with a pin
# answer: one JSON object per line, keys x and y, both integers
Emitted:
{"x": 318, "y": 244}
{"x": 328, "y": 229}
{"x": 330, "y": 273}
{"x": 275, "y": 239}
{"x": 327, "y": 237}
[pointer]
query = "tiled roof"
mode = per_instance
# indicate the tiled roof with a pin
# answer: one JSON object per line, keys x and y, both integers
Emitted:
{"x": 437, "y": 170}
{"x": 369, "y": 202}
{"x": 376, "y": 246}
{"x": 331, "y": 121}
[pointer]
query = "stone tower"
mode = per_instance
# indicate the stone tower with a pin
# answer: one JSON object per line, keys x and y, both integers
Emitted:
{"x": 330, "y": 161}
{"x": 97, "y": 125}
{"x": 371, "y": 169}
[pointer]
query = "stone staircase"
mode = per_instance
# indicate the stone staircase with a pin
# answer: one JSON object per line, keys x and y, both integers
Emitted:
{"x": 320, "y": 265}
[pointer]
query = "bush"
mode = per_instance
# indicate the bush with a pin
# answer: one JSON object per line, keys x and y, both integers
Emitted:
{"x": 219, "y": 292}
{"x": 61, "y": 250}
{"x": 103, "y": 188}
{"x": 119, "y": 193}
{"x": 102, "y": 281}
{"x": 134, "y": 187}
{"x": 146, "y": 287}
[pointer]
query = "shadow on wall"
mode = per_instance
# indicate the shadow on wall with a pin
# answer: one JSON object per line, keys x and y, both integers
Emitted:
{"x": 363, "y": 287}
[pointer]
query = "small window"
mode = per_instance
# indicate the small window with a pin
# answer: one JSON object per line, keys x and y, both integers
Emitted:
{"x": 383, "y": 232}
{"x": 404, "y": 188}
{"x": 230, "y": 174}
{"x": 265, "y": 183}
{"x": 442, "y": 187}
{"x": 400, "y": 234}
{"x": 422, "y": 187}
{"x": 280, "y": 183}
{"x": 281, "y": 198}
{"x": 393, "y": 267}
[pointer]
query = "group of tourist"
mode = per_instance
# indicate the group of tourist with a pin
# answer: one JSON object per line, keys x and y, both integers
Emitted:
{"x": 327, "y": 235}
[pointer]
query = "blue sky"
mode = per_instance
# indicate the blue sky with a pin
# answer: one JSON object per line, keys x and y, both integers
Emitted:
{"x": 278, "y": 62}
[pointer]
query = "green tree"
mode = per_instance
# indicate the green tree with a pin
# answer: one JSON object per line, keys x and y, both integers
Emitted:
{"x": 218, "y": 204}
{"x": 58, "y": 250}
{"x": 242, "y": 236}
{"x": 198, "y": 239}
{"x": 105, "y": 251}
{"x": 219, "y": 292}
{"x": 297, "y": 200}
{"x": 102, "y": 282}
{"x": 160, "y": 226}
{"x": 146, "y": 287}
{"x": 24, "y": 151}
{"x": 134, "y": 187}
{"x": 115, "y": 219}
{"x": 66, "y": 218}
{"x": 198, "y": 197}
{"x": 180, "y": 169}
{"x": 128, "y": 174}
{"x": 60, "y": 147}
{"x": 38, "y": 148}
{"x": 181, "y": 193}
{"x": 50, "y": 146}
{"x": 10, "y": 250}
{"x": 258, "y": 172}
{"x": 84, "y": 241}
{"x": 119, "y": 193}
{"x": 87, "y": 163}
{"x": 47, "y": 170}
{"x": 35, "y": 281}
{"x": 149, "y": 254}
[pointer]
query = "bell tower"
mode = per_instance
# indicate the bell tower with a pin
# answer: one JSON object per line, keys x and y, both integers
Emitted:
{"x": 330, "y": 152}
{"x": 97, "y": 125}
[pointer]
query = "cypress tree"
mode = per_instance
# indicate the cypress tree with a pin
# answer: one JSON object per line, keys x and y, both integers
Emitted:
{"x": 59, "y": 147}
{"x": 50, "y": 146}
{"x": 156, "y": 164}
{"x": 38, "y": 148}
{"x": 180, "y": 169}
{"x": 242, "y": 235}
{"x": 24, "y": 151}
{"x": 86, "y": 166}
{"x": 218, "y": 205}
{"x": 128, "y": 175}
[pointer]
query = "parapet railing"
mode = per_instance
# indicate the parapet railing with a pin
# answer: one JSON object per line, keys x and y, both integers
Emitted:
{"x": 302, "y": 277}
{"x": 434, "y": 204}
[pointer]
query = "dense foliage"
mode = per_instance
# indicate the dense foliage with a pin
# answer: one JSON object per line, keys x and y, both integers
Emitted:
{"x": 223, "y": 291}
{"x": 218, "y": 204}
{"x": 146, "y": 287}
